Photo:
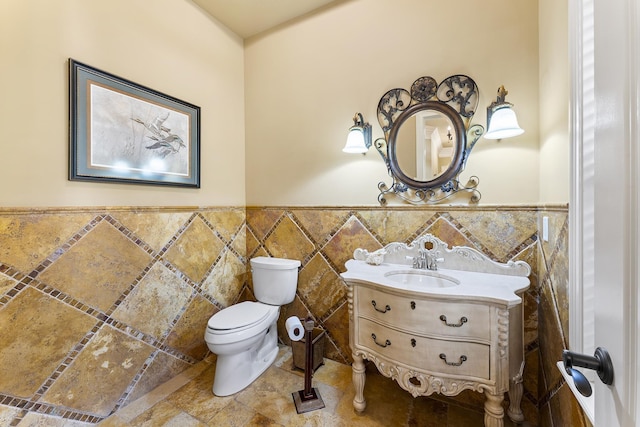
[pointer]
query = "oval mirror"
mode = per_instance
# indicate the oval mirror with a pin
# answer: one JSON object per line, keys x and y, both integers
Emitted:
{"x": 428, "y": 138}
{"x": 426, "y": 145}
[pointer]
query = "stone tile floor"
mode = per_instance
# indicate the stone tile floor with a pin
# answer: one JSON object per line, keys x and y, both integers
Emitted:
{"x": 187, "y": 400}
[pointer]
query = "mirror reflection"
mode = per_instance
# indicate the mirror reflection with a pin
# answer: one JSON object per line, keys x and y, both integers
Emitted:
{"x": 425, "y": 145}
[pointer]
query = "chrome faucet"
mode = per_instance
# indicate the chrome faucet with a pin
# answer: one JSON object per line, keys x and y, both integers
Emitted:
{"x": 424, "y": 261}
{"x": 420, "y": 261}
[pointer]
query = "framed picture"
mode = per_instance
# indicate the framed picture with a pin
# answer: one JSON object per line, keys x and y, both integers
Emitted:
{"x": 123, "y": 132}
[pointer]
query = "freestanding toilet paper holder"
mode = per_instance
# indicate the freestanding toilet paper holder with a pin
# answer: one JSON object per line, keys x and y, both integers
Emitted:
{"x": 308, "y": 399}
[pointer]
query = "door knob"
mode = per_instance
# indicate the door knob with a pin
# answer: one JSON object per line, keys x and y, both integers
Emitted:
{"x": 599, "y": 362}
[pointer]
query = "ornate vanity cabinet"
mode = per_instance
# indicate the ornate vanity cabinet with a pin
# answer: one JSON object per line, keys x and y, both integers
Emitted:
{"x": 439, "y": 320}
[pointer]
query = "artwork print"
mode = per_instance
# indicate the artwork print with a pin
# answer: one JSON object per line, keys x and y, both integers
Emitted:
{"x": 123, "y": 132}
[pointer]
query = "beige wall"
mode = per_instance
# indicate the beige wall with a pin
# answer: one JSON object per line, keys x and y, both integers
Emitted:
{"x": 305, "y": 80}
{"x": 170, "y": 46}
{"x": 554, "y": 101}
{"x": 303, "y": 84}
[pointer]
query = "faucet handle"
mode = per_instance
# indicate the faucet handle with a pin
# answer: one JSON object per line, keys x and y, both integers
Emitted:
{"x": 414, "y": 260}
{"x": 432, "y": 262}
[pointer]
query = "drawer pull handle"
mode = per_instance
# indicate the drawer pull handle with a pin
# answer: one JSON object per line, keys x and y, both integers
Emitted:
{"x": 463, "y": 359}
{"x": 413, "y": 305}
{"x": 386, "y": 343}
{"x": 387, "y": 308}
{"x": 413, "y": 342}
{"x": 463, "y": 320}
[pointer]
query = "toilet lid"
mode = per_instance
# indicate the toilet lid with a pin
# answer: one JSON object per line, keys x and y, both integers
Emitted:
{"x": 239, "y": 315}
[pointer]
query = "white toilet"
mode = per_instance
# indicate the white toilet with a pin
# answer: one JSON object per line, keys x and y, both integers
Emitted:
{"x": 245, "y": 335}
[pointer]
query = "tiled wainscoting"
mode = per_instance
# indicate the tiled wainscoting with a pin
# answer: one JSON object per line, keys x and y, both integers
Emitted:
{"x": 99, "y": 306}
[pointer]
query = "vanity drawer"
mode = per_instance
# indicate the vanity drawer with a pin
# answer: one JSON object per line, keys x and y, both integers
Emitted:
{"x": 441, "y": 356}
{"x": 425, "y": 317}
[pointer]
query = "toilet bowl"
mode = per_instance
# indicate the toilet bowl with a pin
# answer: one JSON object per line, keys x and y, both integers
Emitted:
{"x": 244, "y": 336}
{"x": 245, "y": 347}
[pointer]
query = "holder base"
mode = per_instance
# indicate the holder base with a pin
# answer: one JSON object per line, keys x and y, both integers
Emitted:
{"x": 309, "y": 403}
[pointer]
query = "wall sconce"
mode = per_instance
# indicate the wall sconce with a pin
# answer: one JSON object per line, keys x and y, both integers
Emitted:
{"x": 359, "y": 138}
{"x": 501, "y": 119}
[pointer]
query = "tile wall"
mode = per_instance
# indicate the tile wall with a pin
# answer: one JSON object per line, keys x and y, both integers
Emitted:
{"x": 99, "y": 306}
{"x": 557, "y": 405}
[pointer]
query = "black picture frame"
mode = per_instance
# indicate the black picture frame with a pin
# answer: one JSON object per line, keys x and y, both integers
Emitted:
{"x": 123, "y": 132}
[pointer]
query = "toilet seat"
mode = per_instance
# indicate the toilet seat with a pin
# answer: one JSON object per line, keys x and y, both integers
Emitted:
{"x": 239, "y": 317}
{"x": 240, "y": 322}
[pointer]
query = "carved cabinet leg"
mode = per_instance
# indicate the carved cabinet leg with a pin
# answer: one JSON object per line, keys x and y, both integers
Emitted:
{"x": 516, "y": 390}
{"x": 359, "y": 378}
{"x": 493, "y": 412}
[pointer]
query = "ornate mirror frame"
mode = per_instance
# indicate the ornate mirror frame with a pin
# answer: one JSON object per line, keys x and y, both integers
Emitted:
{"x": 456, "y": 98}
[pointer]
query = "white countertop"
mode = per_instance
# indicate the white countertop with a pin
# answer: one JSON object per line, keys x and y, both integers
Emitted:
{"x": 498, "y": 288}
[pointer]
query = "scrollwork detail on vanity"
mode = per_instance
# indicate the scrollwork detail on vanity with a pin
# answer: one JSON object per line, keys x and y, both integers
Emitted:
{"x": 457, "y": 258}
{"x": 478, "y": 346}
{"x": 428, "y": 384}
{"x": 503, "y": 332}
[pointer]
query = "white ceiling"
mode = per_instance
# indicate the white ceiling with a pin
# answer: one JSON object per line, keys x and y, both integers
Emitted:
{"x": 249, "y": 17}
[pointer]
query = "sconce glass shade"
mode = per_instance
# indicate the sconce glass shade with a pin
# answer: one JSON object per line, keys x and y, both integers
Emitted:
{"x": 359, "y": 138}
{"x": 503, "y": 123}
{"x": 355, "y": 142}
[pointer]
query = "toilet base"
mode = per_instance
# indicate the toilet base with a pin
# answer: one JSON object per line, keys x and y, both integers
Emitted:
{"x": 237, "y": 371}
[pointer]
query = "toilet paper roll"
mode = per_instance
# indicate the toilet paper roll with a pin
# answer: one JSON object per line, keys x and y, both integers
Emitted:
{"x": 294, "y": 328}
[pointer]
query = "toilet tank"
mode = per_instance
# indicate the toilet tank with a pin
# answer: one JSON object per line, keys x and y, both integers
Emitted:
{"x": 274, "y": 279}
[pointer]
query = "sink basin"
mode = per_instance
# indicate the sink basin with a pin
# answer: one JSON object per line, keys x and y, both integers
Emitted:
{"x": 420, "y": 278}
